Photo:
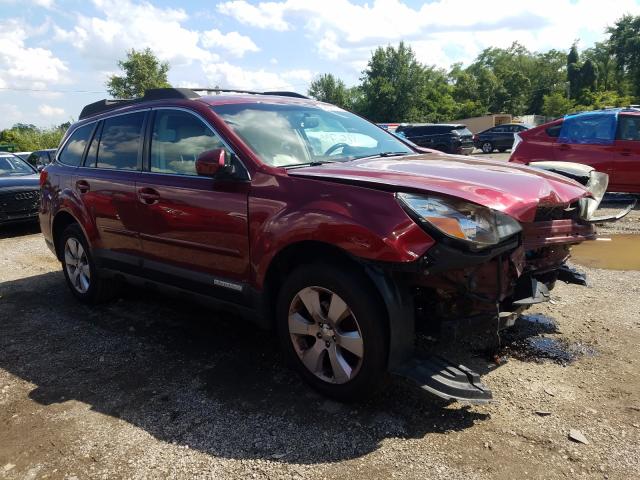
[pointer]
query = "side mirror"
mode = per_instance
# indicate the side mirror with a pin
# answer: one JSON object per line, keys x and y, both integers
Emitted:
{"x": 213, "y": 162}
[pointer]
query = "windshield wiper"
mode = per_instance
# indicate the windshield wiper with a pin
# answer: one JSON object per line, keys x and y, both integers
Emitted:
{"x": 384, "y": 155}
{"x": 315, "y": 163}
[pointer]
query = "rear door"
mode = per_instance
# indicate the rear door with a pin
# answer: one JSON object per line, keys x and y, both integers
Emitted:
{"x": 625, "y": 176}
{"x": 106, "y": 184}
{"x": 194, "y": 228}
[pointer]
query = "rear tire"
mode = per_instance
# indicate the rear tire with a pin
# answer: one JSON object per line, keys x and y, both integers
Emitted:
{"x": 487, "y": 147}
{"x": 83, "y": 277}
{"x": 332, "y": 329}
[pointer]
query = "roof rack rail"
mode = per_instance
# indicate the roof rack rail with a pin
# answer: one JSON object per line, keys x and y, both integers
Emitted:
{"x": 250, "y": 92}
{"x": 106, "y": 105}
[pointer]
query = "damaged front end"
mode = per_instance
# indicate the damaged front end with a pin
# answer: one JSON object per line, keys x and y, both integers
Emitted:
{"x": 463, "y": 294}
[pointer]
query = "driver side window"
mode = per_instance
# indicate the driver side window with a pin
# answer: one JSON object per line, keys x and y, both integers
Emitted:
{"x": 178, "y": 138}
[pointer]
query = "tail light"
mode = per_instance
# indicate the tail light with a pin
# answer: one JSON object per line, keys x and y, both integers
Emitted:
{"x": 43, "y": 177}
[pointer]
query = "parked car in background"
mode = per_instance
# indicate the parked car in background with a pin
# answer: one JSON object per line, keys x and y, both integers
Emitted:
{"x": 22, "y": 155}
{"x": 19, "y": 190}
{"x": 312, "y": 221}
{"x": 608, "y": 140}
{"x": 498, "y": 138}
{"x": 41, "y": 158}
{"x": 447, "y": 138}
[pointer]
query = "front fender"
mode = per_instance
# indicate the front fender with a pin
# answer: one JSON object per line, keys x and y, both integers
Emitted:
{"x": 365, "y": 223}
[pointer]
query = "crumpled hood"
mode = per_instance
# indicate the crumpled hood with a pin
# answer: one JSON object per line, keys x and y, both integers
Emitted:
{"x": 513, "y": 189}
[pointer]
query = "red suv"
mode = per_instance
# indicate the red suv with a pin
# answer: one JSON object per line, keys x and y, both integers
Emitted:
{"x": 607, "y": 140}
{"x": 310, "y": 220}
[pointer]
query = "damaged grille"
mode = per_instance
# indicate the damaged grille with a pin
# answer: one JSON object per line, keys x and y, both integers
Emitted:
{"x": 561, "y": 212}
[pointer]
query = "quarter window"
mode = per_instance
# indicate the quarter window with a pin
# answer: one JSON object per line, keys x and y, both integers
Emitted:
{"x": 120, "y": 142}
{"x": 73, "y": 150}
{"x": 178, "y": 138}
{"x": 628, "y": 128}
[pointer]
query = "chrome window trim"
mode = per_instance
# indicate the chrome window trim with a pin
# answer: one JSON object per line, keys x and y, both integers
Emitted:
{"x": 210, "y": 127}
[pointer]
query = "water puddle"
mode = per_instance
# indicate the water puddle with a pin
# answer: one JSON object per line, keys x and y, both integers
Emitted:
{"x": 613, "y": 252}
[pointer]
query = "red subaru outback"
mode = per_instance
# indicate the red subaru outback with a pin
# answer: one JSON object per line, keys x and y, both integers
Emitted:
{"x": 310, "y": 220}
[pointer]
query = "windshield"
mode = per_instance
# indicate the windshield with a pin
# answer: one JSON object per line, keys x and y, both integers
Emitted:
{"x": 289, "y": 135}
{"x": 11, "y": 166}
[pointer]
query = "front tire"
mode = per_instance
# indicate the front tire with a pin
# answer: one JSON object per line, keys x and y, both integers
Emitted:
{"x": 331, "y": 327}
{"x": 80, "y": 270}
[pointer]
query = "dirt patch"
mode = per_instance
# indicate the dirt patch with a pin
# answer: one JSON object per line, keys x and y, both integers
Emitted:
{"x": 148, "y": 387}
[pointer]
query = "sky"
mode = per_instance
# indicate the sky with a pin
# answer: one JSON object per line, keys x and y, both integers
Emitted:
{"x": 56, "y": 55}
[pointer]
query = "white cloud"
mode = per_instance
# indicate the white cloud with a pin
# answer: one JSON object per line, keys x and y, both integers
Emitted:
{"x": 226, "y": 75}
{"x": 350, "y": 31}
{"x": 49, "y": 111}
{"x": 124, "y": 24}
{"x": 265, "y": 15}
{"x": 232, "y": 42}
{"x": 22, "y": 66}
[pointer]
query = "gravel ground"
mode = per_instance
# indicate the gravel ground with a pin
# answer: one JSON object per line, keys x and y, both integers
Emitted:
{"x": 148, "y": 387}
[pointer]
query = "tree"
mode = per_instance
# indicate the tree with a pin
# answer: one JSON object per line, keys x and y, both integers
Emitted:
{"x": 589, "y": 76}
{"x": 573, "y": 72}
{"x": 30, "y": 138}
{"x": 625, "y": 45}
{"x": 556, "y": 105}
{"x": 397, "y": 88}
{"x": 328, "y": 88}
{"x": 142, "y": 70}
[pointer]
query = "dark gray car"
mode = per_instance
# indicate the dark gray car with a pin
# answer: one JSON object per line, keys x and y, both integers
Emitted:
{"x": 499, "y": 137}
{"x": 19, "y": 190}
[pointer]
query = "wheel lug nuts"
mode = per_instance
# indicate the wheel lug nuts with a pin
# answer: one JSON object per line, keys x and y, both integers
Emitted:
{"x": 327, "y": 344}
{"x": 319, "y": 335}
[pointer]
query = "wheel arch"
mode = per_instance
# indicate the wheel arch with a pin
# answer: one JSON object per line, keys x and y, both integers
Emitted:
{"x": 392, "y": 297}
{"x": 60, "y": 222}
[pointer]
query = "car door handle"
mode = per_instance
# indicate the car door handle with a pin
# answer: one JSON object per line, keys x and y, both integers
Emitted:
{"x": 564, "y": 146}
{"x": 148, "y": 196}
{"x": 83, "y": 186}
{"x": 626, "y": 152}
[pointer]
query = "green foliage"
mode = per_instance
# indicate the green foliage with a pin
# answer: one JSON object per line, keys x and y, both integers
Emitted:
{"x": 624, "y": 41}
{"x": 28, "y": 138}
{"x": 556, "y": 105}
{"x": 142, "y": 70}
{"x": 396, "y": 87}
{"x": 328, "y": 88}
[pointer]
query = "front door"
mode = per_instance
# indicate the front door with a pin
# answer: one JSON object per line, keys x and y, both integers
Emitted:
{"x": 194, "y": 229}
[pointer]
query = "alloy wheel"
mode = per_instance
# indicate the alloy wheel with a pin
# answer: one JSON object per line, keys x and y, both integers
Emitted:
{"x": 326, "y": 335}
{"x": 487, "y": 147}
{"x": 77, "y": 265}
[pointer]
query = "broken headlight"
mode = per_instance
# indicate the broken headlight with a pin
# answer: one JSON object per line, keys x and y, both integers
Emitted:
{"x": 478, "y": 226}
{"x": 597, "y": 185}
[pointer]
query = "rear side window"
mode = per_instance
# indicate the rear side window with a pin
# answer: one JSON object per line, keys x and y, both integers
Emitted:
{"x": 628, "y": 128}
{"x": 120, "y": 142}
{"x": 73, "y": 150}
{"x": 177, "y": 140}
{"x": 554, "y": 131}
{"x": 462, "y": 131}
